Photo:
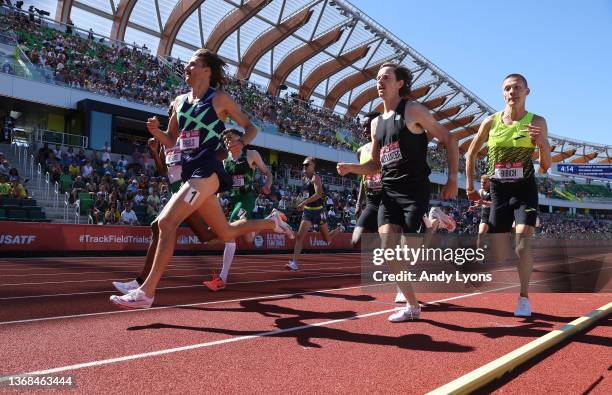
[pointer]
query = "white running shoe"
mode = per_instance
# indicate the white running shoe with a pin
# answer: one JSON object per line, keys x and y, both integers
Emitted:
{"x": 523, "y": 307}
{"x": 127, "y": 287}
{"x": 136, "y": 299}
{"x": 446, "y": 221}
{"x": 280, "y": 225}
{"x": 400, "y": 298}
{"x": 406, "y": 314}
{"x": 292, "y": 265}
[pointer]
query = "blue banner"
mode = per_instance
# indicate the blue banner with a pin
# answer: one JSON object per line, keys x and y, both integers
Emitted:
{"x": 602, "y": 171}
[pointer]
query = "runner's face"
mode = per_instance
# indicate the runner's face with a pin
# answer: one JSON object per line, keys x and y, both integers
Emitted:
{"x": 515, "y": 91}
{"x": 196, "y": 71}
{"x": 485, "y": 184}
{"x": 308, "y": 167}
{"x": 387, "y": 85}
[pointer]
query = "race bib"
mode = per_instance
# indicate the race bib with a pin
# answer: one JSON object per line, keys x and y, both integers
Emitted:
{"x": 305, "y": 194}
{"x": 189, "y": 140}
{"x": 173, "y": 156}
{"x": 509, "y": 171}
{"x": 373, "y": 182}
{"x": 390, "y": 154}
{"x": 238, "y": 181}
{"x": 174, "y": 173}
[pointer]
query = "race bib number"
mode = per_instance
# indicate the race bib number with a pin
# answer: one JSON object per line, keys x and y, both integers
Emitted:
{"x": 173, "y": 156}
{"x": 390, "y": 154}
{"x": 509, "y": 171}
{"x": 238, "y": 181}
{"x": 189, "y": 140}
{"x": 174, "y": 174}
{"x": 373, "y": 182}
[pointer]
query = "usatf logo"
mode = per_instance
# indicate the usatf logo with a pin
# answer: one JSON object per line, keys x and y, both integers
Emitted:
{"x": 258, "y": 241}
{"x": 316, "y": 242}
{"x": 17, "y": 239}
{"x": 275, "y": 240}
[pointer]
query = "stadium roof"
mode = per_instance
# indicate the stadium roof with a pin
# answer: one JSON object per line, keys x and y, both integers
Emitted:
{"x": 328, "y": 51}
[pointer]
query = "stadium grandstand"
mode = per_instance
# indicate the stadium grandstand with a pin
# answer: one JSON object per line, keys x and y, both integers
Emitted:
{"x": 302, "y": 69}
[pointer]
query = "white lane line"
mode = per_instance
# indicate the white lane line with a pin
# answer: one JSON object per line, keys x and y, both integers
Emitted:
{"x": 183, "y": 305}
{"x": 224, "y": 341}
{"x": 139, "y": 265}
{"x": 179, "y": 286}
{"x": 320, "y": 269}
{"x": 235, "y": 269}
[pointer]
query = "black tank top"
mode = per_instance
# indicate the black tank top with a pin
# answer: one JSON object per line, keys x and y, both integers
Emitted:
{"x": 403, "y": 154}
{"x": 309, "y": 190}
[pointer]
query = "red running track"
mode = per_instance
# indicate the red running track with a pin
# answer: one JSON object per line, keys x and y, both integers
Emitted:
{"x": 275, "y": 331}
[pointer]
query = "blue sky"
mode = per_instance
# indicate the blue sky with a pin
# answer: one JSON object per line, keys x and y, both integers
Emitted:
{"x": 564, "y": 48}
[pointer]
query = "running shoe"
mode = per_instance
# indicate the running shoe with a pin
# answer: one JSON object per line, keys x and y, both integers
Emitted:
{"x": 216, "y": 284}
{"x": 427, "y": 221}
{"x": 446, "y": 221}
{"x": 280, "y": 225}
{"x": 136, "y": 299}
{"x": 523, "y": 307}
{"x": 292, "y": 265}
{"x": 406, "y": 314}
{"x": 127, "y": 287}
{"x": 400, "y": 298}
{"x": 342, "y": 228}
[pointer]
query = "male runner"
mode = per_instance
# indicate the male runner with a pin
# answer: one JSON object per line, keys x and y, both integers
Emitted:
{"x": 314, "y": 212}
{"x": 242, "y": 171}
{"x": 399, "y": 145}
{"x": 512, "y": 135}
{"x": 370, "y": 188}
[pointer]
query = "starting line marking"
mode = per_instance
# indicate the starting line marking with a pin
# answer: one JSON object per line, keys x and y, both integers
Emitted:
{"x": 497, "y": 368}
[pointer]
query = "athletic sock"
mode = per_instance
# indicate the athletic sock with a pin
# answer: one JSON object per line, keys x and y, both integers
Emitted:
{"x": 228, "y": 258}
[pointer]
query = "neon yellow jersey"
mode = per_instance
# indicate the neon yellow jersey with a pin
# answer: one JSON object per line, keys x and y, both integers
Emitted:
{"x": 510, "y": 149}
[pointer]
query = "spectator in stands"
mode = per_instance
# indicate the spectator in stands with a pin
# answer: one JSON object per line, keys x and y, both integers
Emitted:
{"x": 5, "y": 167}
{"x": 87, "y": 171}
{"x": 74, "y": 170}
{"x": 17, "y": 190}
{"x": 14, "y": 175}
{"x": 139, "y": 199}
{"x": 98, "y": 209}
{"x": 57, "y": 151}
{"x": 5, "y": 186}
{"x": 112, "y": 216}
{"x": 106, "y": 152}
{"x": 122, "y": 164}
{"x": 77, "y": 186}
{"x": 128, "y": 216}
{"x": 43, "y": 154}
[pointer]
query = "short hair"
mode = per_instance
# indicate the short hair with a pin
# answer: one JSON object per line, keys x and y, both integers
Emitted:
{"x": 312, "y": 159}
{"x": 401, "y": 73}
{"x": 519, "y": 76}
{"x": 216, "y": 64}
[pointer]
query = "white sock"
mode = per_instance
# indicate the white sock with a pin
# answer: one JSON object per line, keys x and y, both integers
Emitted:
{"x": 228, "y": 258}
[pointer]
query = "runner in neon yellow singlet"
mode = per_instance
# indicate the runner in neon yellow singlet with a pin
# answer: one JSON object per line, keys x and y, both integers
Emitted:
{"x": 512, "y": 136}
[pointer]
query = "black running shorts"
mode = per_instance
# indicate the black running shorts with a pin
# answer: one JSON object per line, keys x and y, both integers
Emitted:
{"x": 513, "y": 202}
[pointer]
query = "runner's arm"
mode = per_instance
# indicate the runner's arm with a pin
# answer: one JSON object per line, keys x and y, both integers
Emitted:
{"x": 472, "y": 153}
{"x": 168, "y": 137}
{"x": 318, "y": 186}
{"x": 254, "y": 158}
{"x": 158, "y": 157}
